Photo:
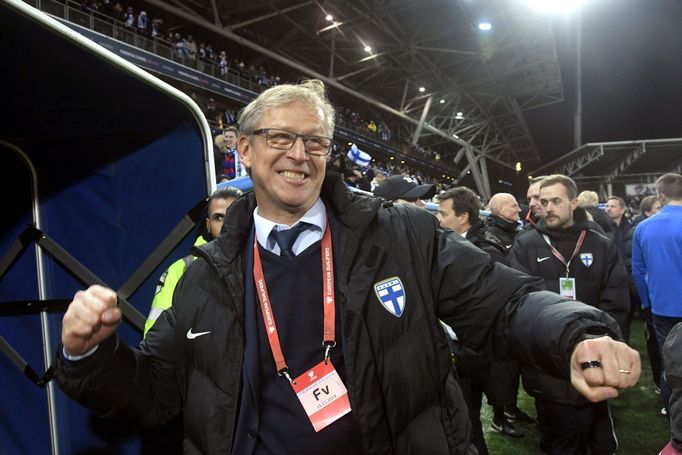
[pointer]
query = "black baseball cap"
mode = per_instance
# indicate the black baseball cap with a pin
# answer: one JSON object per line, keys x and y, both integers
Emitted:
{"x": 400, "y": 187}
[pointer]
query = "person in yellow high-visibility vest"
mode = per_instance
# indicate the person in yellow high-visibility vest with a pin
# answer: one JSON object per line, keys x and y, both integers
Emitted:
{"x": 218, "y": 204}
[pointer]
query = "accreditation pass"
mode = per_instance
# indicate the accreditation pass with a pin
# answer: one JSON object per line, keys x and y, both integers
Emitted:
{"x": 322, "y": 394}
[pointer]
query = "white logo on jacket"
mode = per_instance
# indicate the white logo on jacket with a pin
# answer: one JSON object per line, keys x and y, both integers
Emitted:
{"x": 586, "y": 258}
{"x": 391, "y": 294}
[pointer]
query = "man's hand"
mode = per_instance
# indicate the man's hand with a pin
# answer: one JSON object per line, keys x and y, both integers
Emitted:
{"x": 91, "y": 318}
{"x": 602, "y": 365}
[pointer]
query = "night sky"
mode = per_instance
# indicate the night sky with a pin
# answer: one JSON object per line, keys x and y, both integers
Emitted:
{"x": 632, "y": 76}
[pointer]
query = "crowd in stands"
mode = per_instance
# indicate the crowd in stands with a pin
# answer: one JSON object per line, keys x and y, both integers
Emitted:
{"x": 200, "y": 55}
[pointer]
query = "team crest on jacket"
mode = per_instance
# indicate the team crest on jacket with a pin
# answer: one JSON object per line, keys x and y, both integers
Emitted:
{"x": 391, "y": 294}
{"x": 586, "y": 258}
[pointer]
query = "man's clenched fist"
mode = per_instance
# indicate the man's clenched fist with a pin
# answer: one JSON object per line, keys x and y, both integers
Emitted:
{"x": 91, "y": 318}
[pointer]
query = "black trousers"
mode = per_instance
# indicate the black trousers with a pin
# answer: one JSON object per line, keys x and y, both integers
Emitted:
{"x": 574, "y": 430}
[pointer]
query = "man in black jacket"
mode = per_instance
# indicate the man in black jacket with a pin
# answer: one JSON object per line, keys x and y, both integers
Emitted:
{"x": 327, "y": 341}
{"x": 503, "y": 222}
{"x": 578, "y": 263}
{"x": 459, "y": 209}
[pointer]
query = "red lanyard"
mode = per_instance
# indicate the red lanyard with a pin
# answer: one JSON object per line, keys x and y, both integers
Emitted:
{"x": 558, "y": 255}
{"x": 328, "y": 303}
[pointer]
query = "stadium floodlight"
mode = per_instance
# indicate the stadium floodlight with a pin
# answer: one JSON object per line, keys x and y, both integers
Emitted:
{"x": 442, "y": 101}
{"x": 329, "y": 17}
{"x": 368, "y": 49}
{"x": 485, "y": 26}
{"x": 555, "y": 6}
{"x": 422, "y": 89}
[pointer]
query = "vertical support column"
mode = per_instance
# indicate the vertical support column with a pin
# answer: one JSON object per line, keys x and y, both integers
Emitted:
{"x": 476, "y": 173}
{"x": 422, "y": 119}
{"x": 48, "y": 349}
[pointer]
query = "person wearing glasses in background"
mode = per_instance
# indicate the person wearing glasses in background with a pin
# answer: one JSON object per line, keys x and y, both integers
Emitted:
{"x": 311, "y": 324}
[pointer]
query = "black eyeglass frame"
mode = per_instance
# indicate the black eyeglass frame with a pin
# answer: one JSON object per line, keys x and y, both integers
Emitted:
{"x": 265, "y": 132}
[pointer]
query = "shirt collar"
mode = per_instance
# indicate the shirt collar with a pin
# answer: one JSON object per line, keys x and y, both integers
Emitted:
{"x": 316, "y": 215}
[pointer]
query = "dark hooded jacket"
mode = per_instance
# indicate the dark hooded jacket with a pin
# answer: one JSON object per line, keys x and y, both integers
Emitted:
{"x": 601, "y": 281}
{"x": 502, "y": 233}
{"x": 402, "y": 389}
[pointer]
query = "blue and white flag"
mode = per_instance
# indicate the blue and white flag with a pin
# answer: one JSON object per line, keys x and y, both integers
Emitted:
{"x": 358, "y": 157}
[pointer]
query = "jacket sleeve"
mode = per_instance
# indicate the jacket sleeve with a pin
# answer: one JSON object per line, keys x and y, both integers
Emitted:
{"x": 639, "y": 270}
{"x": 614, "y": 297}
{"x": 139, "y": 385}
{"x": 490, "y": 304}
{"x": 164, "y": 292}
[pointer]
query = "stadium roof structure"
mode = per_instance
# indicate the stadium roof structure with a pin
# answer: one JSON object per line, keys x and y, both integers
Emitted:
{"x": 489, "y": 77}
{"x": 607, "y": 163}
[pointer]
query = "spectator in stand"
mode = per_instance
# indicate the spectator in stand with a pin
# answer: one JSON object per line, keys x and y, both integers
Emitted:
{"x": 227, "y": 157}
{"x": 156, "y": 28}
{"x": 191, "y": 47}
{"x": 656, "y": 264}
{"x": 218, "y": 204}
{"x": 589, "y": 201}
{"x": 180, "y": 48}
{"x": 211, "y": 111}
{"x": 580, "y": 264}
{"x": 223, "y": 64}
{"x": 350, "y": 178}
{"x": 210, "y": 55}
{"x": 129, "y": 18}
{"x": 615, "y": 209}
{"x": 201, "y": 57}
{"x": 372, "y": 127}
{"x": 142, "y": 23}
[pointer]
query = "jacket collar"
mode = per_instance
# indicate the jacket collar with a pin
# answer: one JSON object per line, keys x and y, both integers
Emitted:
{"x": 505, "y": 225}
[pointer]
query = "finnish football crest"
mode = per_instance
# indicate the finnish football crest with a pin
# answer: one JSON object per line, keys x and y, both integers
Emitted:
{"x": 391, "y": 294}
{"x": 586, "y": 258}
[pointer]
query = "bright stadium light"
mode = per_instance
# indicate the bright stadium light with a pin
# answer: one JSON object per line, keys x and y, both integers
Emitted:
{"x": 368, "y": 49}
{"x": 485, "y": 26}
{"x": 422, "y": 89}
{"x": 555, "y": 6}
{"x": 442, "y": 101}
{"x": 329, "y": 17}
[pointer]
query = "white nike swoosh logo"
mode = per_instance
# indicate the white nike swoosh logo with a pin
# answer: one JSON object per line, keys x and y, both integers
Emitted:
{"x": 542, "y": 259}
{"x": 191, "y": 336}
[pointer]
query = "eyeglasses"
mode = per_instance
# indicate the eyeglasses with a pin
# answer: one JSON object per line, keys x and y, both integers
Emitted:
{"x": 285, "y": 140}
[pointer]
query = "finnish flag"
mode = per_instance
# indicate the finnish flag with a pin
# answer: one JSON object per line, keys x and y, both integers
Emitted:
{"x": 358, "y": 157}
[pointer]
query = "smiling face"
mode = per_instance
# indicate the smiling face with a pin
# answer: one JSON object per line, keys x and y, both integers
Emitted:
{"x": 287, "y": 182}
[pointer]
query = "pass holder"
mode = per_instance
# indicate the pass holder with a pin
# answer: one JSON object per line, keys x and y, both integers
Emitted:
{"x": 322, "y": 394}
{"x": 567, "y": 287}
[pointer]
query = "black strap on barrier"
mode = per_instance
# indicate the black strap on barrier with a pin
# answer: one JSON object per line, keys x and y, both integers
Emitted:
{"x": 71, "y": 264}
{"x": 162, "y": 251}
{"x": 25, "y": 368}
{"x": 22, "y": 307}
{"x": 26, "y": 237}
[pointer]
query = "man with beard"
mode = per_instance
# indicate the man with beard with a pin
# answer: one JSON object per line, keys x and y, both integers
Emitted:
{"x": 578, "y": 263}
